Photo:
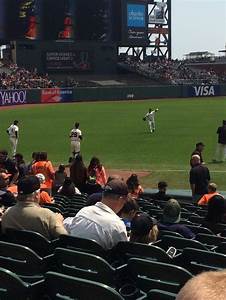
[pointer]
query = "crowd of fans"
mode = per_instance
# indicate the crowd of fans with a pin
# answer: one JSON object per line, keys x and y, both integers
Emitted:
{"x": 113, "y": 209}
{"x": 171, "y": 72}
{"x": 20, "y": 78}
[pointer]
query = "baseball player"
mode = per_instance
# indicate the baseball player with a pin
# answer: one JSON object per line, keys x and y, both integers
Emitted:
{"x": 13, "y": 132}
{"x": 150, "y": 117}
{"x": 76, "y": 137}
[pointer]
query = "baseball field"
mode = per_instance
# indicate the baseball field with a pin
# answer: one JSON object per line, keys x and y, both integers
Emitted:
{"x": 116, "y": 133}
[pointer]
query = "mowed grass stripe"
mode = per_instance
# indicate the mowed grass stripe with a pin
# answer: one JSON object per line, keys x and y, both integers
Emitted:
{"x": 115, "y": 132}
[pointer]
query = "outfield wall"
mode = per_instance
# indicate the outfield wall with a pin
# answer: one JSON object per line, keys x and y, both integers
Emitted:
{"x": 61, "y": 95}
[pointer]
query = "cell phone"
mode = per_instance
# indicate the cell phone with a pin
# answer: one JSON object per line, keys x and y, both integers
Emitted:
{"x": 171, "y": 252}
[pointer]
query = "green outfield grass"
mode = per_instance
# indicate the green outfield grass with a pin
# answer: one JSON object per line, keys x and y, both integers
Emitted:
{"x": 115, "y": 132}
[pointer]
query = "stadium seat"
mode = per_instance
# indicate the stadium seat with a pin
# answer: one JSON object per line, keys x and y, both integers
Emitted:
{"x": 196, "y": 219}
{"x": 12, "y": 287}
{"x": 179, "y": 243}
{"x": 218, "y": 228}
{"x": 84, "y": 265}
{"x": 221, "y": 248}
{"x": 157, "y": 275}
{"x": 33, "y": 240}
{"x": 209, "y": 239}
{"x": 82, "y": 245}
{"x": 199, "y": 229}
{"x": 167, "y": 232}
{"x": 23, "y": 261}
{"x": 126, "y": 250}
{"x": 160, "y": 295}
{"x": 196, "y": 260}
{"x": 59, "y": 286}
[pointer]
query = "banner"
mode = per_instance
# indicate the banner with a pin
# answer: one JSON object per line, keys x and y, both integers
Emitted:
{"x": 56, "y": 95}
{"x": 14, "y": 97}
{"x": 204, "y": 90}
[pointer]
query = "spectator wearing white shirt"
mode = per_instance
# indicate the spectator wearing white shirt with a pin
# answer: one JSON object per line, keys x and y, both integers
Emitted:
{"x": 100, "y": 222}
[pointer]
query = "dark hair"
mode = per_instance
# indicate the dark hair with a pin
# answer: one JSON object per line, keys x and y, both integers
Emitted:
{"x": 162, "y": 184}
{"x": 130, "y": 205}
{"x": 132, "y": 183}
{"x": 15, "y": 122}
{"x": 216, "y": 209}
{"x": 94, "y": 163}
{"x": 78, "y": 171}
{"x": 61, "y": 168}
{"x": 68, "y": 188}
{"x": 4, "y": 152}
{"x": 76, "y": 125}
{"x": 199, "y": 144}
{"x": 42, "y": 156}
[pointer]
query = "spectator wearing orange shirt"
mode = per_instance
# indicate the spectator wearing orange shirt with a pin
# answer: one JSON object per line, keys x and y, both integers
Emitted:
{"x": 45, "y": 167}
{"x": 44, "y": 196}
{"x": 134, "y": 187}
{"x": 96, "y": 169}
{"x": 212, "y": 191}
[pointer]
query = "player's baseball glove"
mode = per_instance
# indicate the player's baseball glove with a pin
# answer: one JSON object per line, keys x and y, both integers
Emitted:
{"x": 144, "y": 119}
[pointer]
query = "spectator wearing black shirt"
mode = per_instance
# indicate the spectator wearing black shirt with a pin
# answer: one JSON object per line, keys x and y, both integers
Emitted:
{"x": 161, "y": 194}
{"x": 199, "y": 178}
{"x": 8, "y": 165}
{"x": 6, "y": 197}
{"x": 220, "y": 154}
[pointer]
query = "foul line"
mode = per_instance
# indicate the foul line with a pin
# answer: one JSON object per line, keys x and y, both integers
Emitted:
{"x": 212, "y": 171}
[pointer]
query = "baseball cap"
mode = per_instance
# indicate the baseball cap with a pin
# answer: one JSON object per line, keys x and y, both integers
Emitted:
{"x": 171, "y": 211}
{"x": 117, "y": 187}
{"x": 28, "y": 185}
{"x": 5, "y": 175}
{"x": 142, "y": 223}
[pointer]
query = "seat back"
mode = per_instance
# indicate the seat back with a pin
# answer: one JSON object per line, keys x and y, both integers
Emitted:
{"x": 81, "y": 245}
{"x": 167, "y": 232}
{"x": 157, "y": 275}
{"x": 12, "y": 287}
{"x": 199, "y": 229}
{"x": 84, "y": 265}
{"x": 179, "y": 243}
{"x": 160, "y": 295}
{"x": 69, "y": 287}
{"x": 210, "y": 239}
{"x": 33, "y": 240}
{"x": 21, "y": 260}
{"x": 196, "y": 260}
{"x": 221, "y": 248}
{"x": 128, "y": 250}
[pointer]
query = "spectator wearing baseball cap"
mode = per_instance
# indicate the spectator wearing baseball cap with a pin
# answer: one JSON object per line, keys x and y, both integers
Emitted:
{"x": 27, "y": 213}
{"x": 171, "y": 220}
{"x": 100, "y": 222}
{"x": 143, "y": 229}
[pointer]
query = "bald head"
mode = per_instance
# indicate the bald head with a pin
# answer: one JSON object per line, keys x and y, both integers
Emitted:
{"x": 205, "y": 286}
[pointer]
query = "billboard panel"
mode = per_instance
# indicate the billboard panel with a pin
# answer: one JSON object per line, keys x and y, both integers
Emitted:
{"x": 135, "y": 15}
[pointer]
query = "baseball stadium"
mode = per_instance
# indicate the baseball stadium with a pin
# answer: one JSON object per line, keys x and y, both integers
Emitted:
{"x": 112, "y": 155}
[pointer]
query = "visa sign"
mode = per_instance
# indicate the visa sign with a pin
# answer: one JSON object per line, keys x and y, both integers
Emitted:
{"x": 204, "y": 90}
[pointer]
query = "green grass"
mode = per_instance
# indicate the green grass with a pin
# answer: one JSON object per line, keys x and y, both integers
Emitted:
{"x": 115, "y": 132}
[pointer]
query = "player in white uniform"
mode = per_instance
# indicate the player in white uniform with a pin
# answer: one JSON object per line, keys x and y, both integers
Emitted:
{"x": 13, "y": 132}
{"x": 150, "y": 117}
{"x": 76, "y": 137}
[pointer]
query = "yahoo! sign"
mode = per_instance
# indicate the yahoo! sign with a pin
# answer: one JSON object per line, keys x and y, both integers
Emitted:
{"x": 13, "y": 97}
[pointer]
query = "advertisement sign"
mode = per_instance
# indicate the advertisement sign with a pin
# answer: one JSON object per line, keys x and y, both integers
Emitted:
{"x": 158, "y": 15}
{"x": 204, "y": 90}
{"x": 56, "y": 95}
{"x": 135, "y": 22}
{"x": 14, "y": 97}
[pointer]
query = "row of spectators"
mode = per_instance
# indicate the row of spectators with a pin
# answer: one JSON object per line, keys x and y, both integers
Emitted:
{"x": 170, "y": 71}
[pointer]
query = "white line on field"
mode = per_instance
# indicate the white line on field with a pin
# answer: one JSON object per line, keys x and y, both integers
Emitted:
{"x": 212, "y": 171}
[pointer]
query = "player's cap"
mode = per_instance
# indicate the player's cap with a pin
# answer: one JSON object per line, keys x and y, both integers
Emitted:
{"x": 28, "y": 185}
{"x": 200, "y": 144}
{"x": 5, "y": 175}
{"x": 117, "y": 187}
